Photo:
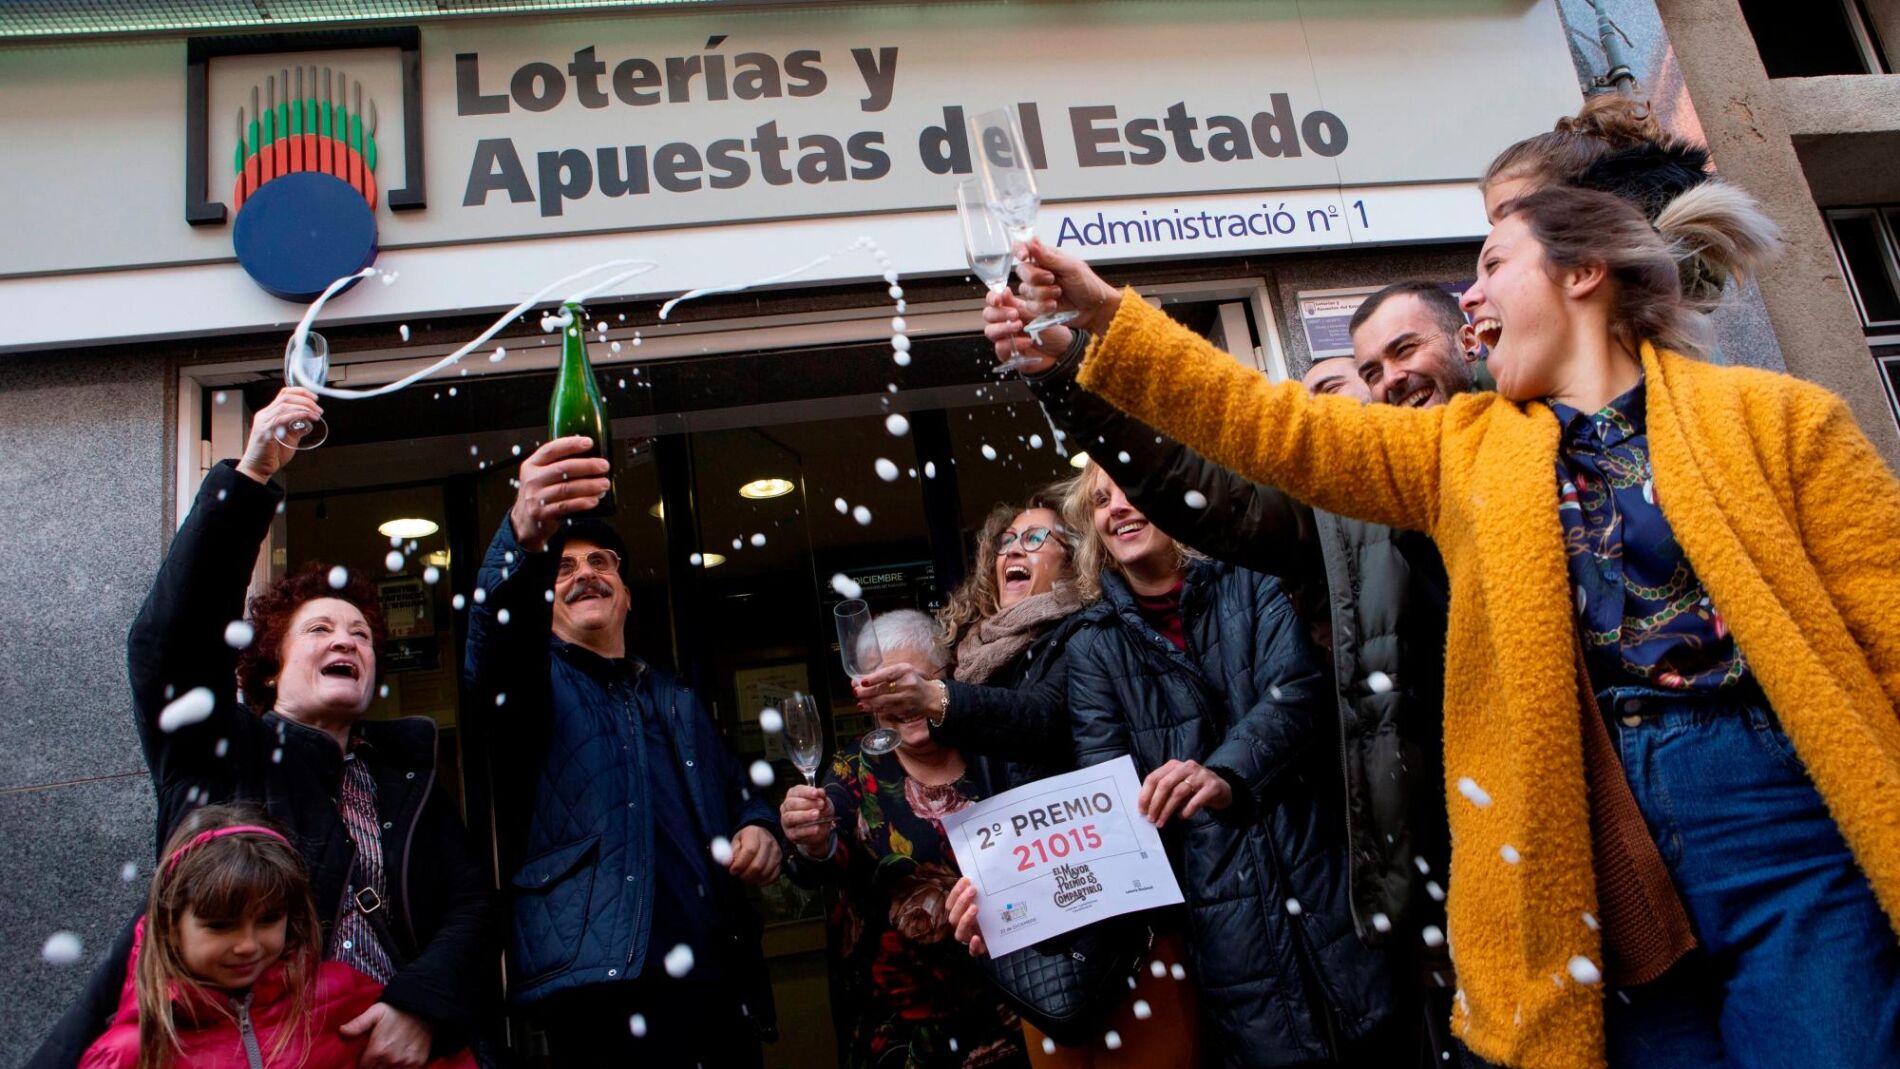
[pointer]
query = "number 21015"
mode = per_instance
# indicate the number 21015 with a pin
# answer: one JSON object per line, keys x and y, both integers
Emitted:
{"x": 1055, "y": 847}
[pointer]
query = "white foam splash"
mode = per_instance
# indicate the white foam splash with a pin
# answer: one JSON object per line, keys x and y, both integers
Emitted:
{"x": 771, "y": 721}
{"x": 238, "y": 634}
{"x": 862, "y": 515}
{"x": 1194, "y": 499}
{"x": 679, "y": 961}
{"x": 394, "y": 561}
{"x": 292, "y": 372}
{"x": 62, "y": 948}
{"x": 897, "y": 424}
{"x": 846, "y": 586}
{"x": 339, "y": 577}
{"x": 762, "y": 774}
{"x": 886, "y": 470}
{"x": 722, "y": 850}
{"x": 187, "y": 709}
{"x": 1585, "y": 971}
{"x": 1473, "y": 793}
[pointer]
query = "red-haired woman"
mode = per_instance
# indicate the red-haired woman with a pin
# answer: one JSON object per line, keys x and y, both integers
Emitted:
{"x": 401, "y": 898}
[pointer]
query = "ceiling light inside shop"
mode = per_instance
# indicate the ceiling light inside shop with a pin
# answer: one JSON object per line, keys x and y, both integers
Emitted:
{"x": 408, "y": 527}
{"x": 711, "y": 560}
{"x": 761, "y": 489}
{"x": 1079, "y": 460}
{"x": 657, "y": 510}
{"x": 439, "y": 559}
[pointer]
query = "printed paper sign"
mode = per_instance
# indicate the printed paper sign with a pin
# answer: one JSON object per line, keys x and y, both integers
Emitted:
{"x": 1060, "y": 854}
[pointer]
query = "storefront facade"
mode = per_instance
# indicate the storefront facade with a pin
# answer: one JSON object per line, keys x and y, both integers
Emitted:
{"x": 1254, "y": 166}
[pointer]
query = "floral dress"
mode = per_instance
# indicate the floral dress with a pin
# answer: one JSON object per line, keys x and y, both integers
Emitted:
{"x": 905, "y": 993}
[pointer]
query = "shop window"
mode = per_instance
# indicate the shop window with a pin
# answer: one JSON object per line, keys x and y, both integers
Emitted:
{"x": 1888, "y": 360}
{"x": 1865, "y": 240}
{"x": 1813, "y": 39}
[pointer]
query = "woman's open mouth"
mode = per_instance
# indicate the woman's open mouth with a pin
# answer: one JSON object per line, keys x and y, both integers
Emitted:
{"x": 1015, "y": 576}
{"x": 342, "y": 670}
{"x": 1129, "y": 530}
{"x": 1488, "y": 331}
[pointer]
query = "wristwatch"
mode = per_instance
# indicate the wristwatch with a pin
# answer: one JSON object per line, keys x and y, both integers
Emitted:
{"x": 943, "y": 703}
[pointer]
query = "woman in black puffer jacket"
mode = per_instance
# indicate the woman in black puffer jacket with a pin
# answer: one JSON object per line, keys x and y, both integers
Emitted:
{"x": 1203, "y": 673}
{"x": 1008, "y": 630}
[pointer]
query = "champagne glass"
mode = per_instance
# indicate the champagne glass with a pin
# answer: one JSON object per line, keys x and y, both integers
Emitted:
{"x": 986, "y": 246}
{"x": 307, "y": 364}
{"x": 1009, "y": 185}
{"x": 858, "y": 648}
{"x": 804, "y": 734}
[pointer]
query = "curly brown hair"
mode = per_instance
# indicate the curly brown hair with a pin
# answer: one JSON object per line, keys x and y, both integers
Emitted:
{"x": 270, "y": 616}
{"x": 975, "y": 598}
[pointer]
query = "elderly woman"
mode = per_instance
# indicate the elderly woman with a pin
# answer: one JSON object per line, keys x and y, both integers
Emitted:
{"x": 1005, "y": 629}
{"x": 918, "y": 999}
{"x": 1203, "y": 674}
{"x": 1008, "y": 627}
{"x": 402, "y": 899}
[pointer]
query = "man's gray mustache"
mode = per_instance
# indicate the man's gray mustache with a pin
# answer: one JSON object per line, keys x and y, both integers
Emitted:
{"x": 585, "y": 587}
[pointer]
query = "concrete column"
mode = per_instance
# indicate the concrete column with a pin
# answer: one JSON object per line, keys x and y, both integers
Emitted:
{"x": 1806, "y": 297}
{"x": 1883, "y": 21}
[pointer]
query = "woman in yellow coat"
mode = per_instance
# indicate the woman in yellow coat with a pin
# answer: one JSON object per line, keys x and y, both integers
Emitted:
{"x": 1726, "y": 545}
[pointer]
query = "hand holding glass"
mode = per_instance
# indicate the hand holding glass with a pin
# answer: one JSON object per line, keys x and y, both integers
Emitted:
{"x": 1009, "y": 186}
{"x": 986, "y": 246}
{"x": 305, "y": 365}
{"x": 804, "y": 734}
{"x": 859, "y": 650}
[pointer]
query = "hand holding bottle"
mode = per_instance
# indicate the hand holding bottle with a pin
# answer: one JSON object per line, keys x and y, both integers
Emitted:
{"x": 557, "y": 481}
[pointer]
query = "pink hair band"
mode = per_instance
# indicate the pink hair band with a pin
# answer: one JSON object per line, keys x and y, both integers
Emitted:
{"x": 204, "y": 837}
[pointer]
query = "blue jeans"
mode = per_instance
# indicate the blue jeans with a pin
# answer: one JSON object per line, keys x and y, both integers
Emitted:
{"x": 1797, "y": 966}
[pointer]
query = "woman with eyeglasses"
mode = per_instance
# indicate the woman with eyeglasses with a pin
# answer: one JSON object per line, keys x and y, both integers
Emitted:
{"x": 1005, "y": 707}
{"x": 1203, "y": 673}
{"x": 1005, "y": 628}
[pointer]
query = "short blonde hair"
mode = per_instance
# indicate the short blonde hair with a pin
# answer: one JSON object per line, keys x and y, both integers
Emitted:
{"x": 1091, "y": 552}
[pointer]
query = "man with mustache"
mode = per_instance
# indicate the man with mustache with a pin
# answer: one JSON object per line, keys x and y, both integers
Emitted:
{"x": 633, "y": 825}
{"x": 1374, "y": 596}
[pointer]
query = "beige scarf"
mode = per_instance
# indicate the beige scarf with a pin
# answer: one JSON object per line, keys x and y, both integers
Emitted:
{"x": 992, "y": 643}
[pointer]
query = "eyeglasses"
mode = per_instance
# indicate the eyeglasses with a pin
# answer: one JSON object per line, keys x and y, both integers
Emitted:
{"x": 1032, "y": 539}
{"x": 598, "y": 560}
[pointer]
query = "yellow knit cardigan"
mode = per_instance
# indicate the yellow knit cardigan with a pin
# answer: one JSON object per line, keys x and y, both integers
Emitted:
{"x": 1784, "y": 509}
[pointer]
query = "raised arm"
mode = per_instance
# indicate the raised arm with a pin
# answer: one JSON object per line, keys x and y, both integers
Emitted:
{"x": 517, "y": 578}
{"x": 1373, "y": 462}
{"x": 177, "y": 643}
{"x": 1243, "y": 523}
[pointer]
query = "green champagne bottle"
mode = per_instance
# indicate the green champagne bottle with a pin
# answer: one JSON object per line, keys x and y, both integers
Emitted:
{"x": 577, "y": 406}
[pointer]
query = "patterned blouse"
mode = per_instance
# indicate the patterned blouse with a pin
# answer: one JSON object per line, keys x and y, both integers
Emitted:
{"x": 1647, "y": 624}
{"x": 906, "y": 994}
{"x": 354, "y": 942}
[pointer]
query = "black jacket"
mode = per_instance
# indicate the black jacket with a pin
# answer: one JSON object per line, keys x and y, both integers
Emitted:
{"x": 1381, "y": 595}
{"x": 1279, "y": 966}
{"x": 1017, "y": 721}
{"x": 438, "y": 914}
{"x": 571, "y": 721}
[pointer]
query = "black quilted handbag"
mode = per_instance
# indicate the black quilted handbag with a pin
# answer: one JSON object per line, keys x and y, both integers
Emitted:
{"x": 1069, "y": 985}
